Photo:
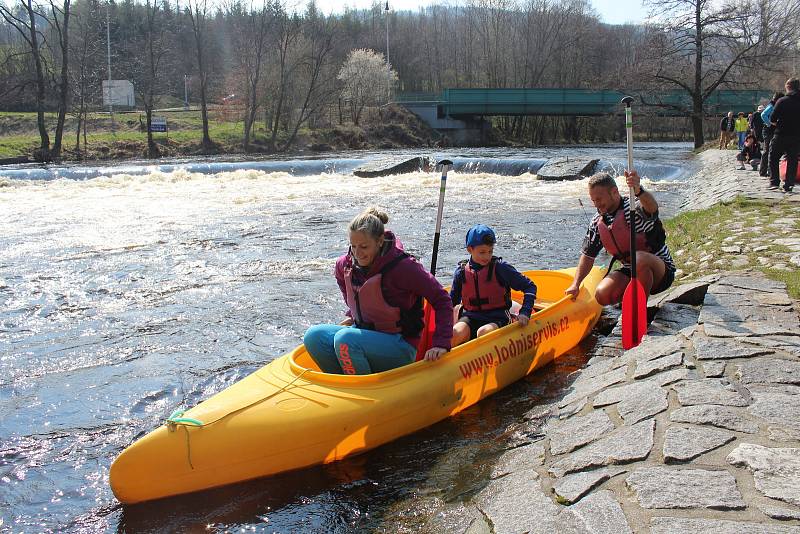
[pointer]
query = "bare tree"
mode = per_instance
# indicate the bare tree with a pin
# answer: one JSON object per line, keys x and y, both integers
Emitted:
{"x": 250, "y": 33}
{"x": 60, "y": 26}
{"x": 198, "y": 14}
{"x": 700, "y": 46}
{"x": 24, "y": 22}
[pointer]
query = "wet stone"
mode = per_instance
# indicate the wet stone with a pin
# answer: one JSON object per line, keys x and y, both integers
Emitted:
{"x": 636, "y": 401}
{"x": 683, "y": 525}
{"x": 769, "y": 370}
{"x": 681, "y": 444}
{"x": 644, "y": 369}
{"x": 579, "y": 431}
{"x": 713, "y": 369}
{"x": 599, "y": 513}
{"x": 720, "y": 349}
{"x": 585, "y": 387}
{"x": 666, "y": 487}
{"x": 719, "y": 416}
{"x": 626, "y": 444}
{"x": 708, "y": 391}
{"x": 516, "y": 503}
{"x": 778, "y": 512}
{"x": 776, "y": 471}
{"x": 572, "y": 487}
{"x": 458, "y": 518}
{"x": 526, "y": 457}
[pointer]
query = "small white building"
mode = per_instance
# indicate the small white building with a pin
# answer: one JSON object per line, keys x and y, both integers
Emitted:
{"x": 118, "y": 93}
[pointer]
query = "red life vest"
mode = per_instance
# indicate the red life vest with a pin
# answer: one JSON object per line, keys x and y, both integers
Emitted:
{"x": 616, "y": 238}
{"x": 481, "y": 291}
{"x": 367, "y": 305}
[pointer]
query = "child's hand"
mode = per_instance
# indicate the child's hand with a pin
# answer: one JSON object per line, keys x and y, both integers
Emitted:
{"x": 523, "y": 319}
{"x": 434, "y": 353}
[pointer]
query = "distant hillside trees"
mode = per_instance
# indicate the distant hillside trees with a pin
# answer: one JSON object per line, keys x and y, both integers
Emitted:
{"x": 291, "y": 66}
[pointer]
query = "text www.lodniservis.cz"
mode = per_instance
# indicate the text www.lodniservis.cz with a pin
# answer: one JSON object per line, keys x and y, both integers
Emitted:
{"x": 515, "y": 347}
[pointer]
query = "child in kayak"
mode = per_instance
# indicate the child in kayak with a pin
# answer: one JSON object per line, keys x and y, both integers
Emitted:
{"x": 383, "y": 288}
{"x": 482, "y": 285}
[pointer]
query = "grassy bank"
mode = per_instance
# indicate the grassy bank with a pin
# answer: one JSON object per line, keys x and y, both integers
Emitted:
{"x": 125, "y": 137}
{"x": 739, "y": 236}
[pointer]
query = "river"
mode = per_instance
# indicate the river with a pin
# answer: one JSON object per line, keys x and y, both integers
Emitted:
{"x": 129, "y": 291}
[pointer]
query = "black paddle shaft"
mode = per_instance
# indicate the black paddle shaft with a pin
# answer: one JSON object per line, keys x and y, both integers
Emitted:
{"x": 628, "y": 100}
{"x": 445, "y": 165}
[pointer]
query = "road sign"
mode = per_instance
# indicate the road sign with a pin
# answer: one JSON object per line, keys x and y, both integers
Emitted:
{"x": 158, "y": 124}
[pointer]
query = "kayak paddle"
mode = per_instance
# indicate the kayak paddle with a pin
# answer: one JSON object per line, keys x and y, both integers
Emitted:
{"x": 634, "y": 301}
{"x": 429, "y": 317}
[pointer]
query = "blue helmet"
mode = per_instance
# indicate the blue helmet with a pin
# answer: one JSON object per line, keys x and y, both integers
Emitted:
{"x": 480, "y": 234}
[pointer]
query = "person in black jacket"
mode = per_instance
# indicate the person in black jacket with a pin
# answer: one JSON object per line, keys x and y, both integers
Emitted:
{"x": 768, "y": 131}
{"x": 757, "y": 124}
{"x": 786, "y": 120}
{"x": 726, "y": 130}
{"x": 751, "y": 153}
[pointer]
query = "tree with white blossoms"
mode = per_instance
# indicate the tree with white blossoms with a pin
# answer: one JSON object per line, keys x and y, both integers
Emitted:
{"x": 363, "y": 75}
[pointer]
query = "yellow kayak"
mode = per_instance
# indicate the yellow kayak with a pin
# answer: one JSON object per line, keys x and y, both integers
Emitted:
{"x": 289, "y": 415}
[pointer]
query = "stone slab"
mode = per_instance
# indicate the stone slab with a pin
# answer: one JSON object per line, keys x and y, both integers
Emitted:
{"x": 779, "y": 513}
{"x": 572, "y": 487}
{"x": 776, "y": 471}
{"x": 516, "y": 503}
{"x": 626, "y": 444}
{"x": 589, "y": 386}
{"x": 647, "y": 368}
{"x": 769, "y": 370}
{"x": 776, "y": 407}
{"x": 713, "y": 368}
{"x": 666, "y": 487}
{"x": 525, "y": 457}
{"x": 599, "y": 513}
{"x": 723, "y": 349}
{"x": 708, "y": 391}
{"x": 681, "y": 444}
{"x": 719, "y": 416}
{"x": 579, "y": 431}
{"x": 685, "y": 525}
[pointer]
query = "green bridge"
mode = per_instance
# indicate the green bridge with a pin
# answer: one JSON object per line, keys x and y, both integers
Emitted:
{"x": 467, "y": 103}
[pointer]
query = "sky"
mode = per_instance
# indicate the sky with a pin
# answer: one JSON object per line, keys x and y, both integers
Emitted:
{"x": 610, "y": 11}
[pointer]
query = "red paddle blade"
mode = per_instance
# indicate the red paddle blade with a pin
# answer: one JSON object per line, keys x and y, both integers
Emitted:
{"x": 426, "y": 339}
{"x": 634, "y": 314}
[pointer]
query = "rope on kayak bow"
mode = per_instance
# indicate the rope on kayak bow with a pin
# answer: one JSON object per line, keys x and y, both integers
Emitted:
{"x": 176, "y": 419}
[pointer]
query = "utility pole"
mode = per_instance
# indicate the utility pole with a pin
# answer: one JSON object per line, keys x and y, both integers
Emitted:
{"x": 186, "y": 92}
{"x": 108, "y": 44}
{"x": 388, "y": 68}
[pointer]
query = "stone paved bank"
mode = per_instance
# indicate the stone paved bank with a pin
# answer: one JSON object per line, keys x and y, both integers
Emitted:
{"x": 697, "y": 430}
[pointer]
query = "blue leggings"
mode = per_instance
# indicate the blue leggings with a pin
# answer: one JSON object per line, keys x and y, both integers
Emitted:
{"x": 354, "y": 351}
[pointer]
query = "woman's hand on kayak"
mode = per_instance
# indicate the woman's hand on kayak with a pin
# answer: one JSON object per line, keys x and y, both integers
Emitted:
{"x": 434, "y": 353}
{"x": 572, "y": 291}
{"x": 523, "y": 319}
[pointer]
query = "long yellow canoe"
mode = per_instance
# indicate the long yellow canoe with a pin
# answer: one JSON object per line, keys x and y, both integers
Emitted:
{"x": 289, "y": 415}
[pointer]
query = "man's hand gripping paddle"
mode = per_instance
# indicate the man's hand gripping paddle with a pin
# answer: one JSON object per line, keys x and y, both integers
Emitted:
{"x": 634, "y": 301}
{"x": 429, "y": 316}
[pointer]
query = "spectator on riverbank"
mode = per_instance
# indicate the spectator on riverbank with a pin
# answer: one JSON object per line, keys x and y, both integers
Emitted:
{"x": 725, "y": 130}
{"x": 757, "y": 124}
{"x": 740, "y": 128}
{"x": 763, "y": 169}
{"x": 786, "y": 141}
{"x": 610, "y": 229}
{"x": 750, "y": 153}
